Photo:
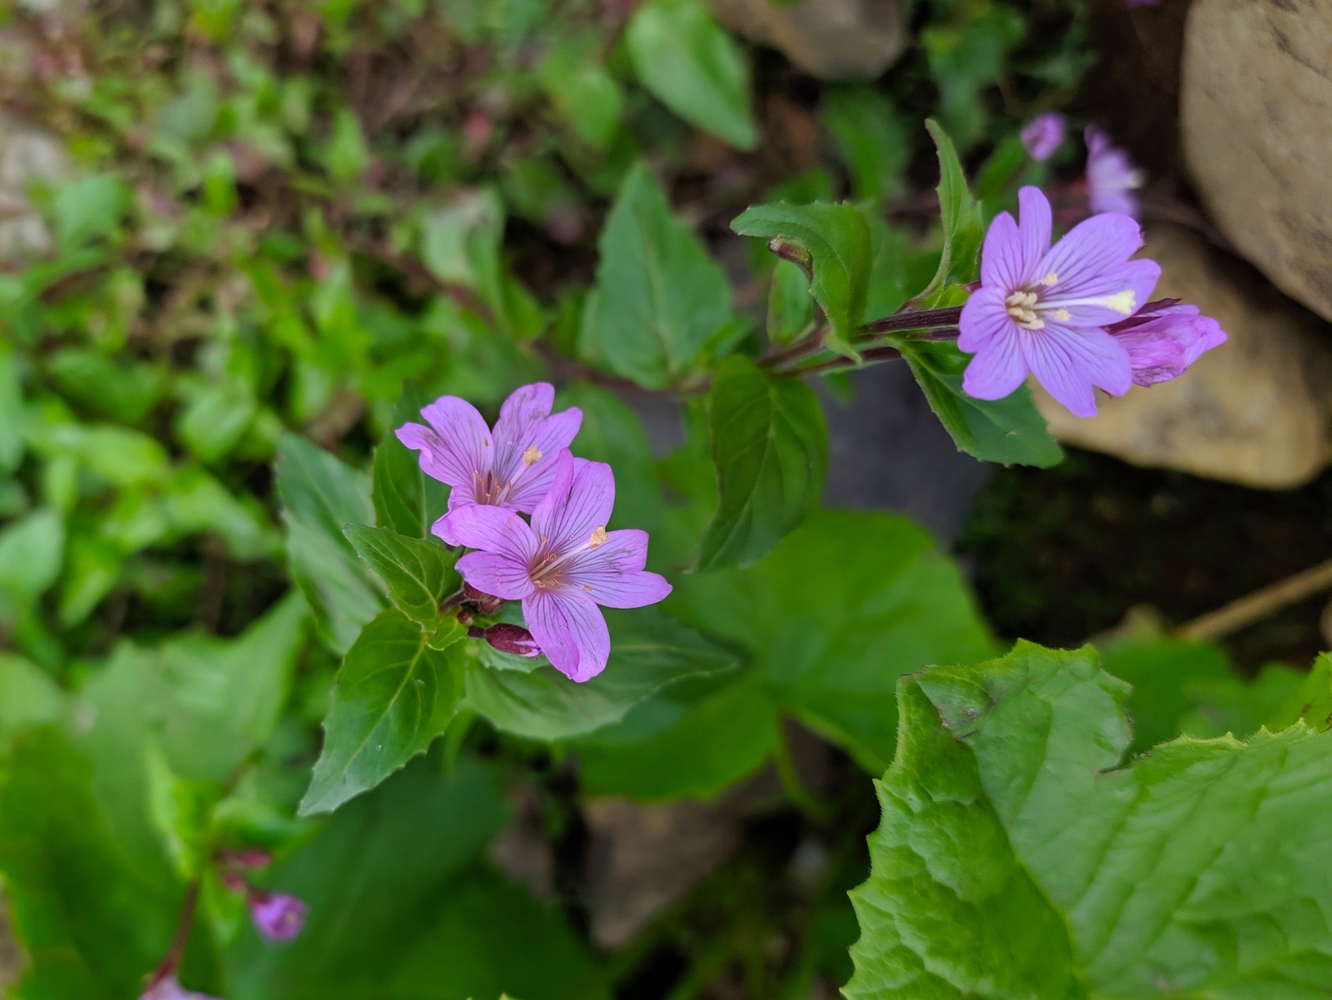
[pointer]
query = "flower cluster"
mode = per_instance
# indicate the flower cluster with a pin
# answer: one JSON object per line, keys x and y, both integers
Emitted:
{"x": 564, "y": 563}
{"x": 1076, "y": 314}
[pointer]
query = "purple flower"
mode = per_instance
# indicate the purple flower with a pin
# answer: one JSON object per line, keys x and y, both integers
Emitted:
{"x": 1111, "y": 175}
{"x": 1164, "y": 338}
{"x": 563, "y": 565}
{"x": 1043, "y": 136}
{"x": 277, "y": 915}
{"x": 1042, "y": 309}
{"x": 507, "y": 639}
{"x": 511, "y": 468}
{"x": 168, "y": 988}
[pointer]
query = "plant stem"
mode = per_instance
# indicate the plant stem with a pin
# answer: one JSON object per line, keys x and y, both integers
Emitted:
{"x": 873, "y": 356}
{"x": 925, "y": 319}
{"x": 801, "y": 797}
{"x": 1256, "y": 606}
{"x": 171, "y": 960}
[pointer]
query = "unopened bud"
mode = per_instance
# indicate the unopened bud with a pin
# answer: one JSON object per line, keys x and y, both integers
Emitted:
{"x": 511, "y": 639}
{"x": 485, "y": 603}
{"x": 277, "y": 915}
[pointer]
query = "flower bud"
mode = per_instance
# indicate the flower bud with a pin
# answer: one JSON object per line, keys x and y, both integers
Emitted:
{"x": 277, "y": 915}
{"x": 168, "y": 988}
{"x": 1043, "y": 135}
{"x": 484, "y": 603}
{"x": 1164, "y": 338}
{"x": 511, "y": 639}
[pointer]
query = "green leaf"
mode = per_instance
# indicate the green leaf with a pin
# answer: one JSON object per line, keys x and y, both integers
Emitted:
{"x": 1312, "y": 703}
{"x": 1008, "y": 430}
{"x": 770, "y": 450}
{"x": 658, "y": 297}
{"x": 87, "y": 209}
{"x": 650, "y": 651}
{"x": 871, "y": 137}
{"x": 584, "y": 92}
{"x": 963, "y": 227}
{"x": 406, "y": 499}
{"x": 216, "y": 418}
{"x": 830, "y": 619}
{"x": 30, "y": 554}
{"x": 123, "y": 392}
{"x": 320, "y": 496}
{"x": 12, "y": 419}
{"x": 790, "y": 307}
{"x": 691, "y": 65}
{"x": 1017, "y": 857}
{"x": 28, "y": 697}
{"x": 418, "y": 571}
{"x": 393, "y": 696}
{"x": 835, "y": 239}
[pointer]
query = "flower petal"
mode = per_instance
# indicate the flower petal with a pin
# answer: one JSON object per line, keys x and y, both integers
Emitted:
{"x": 569, "y": 520}
{"x": 1034, "y": 228}
{"x": 985, "y": 321}
{"x": 612, "y": 574}
{"x": 490, "y": 529}
{"x": 497, "y": 575}
{"x": 519, "y": 417}
{"x": 570, "y": 629}
{"x": 1091, "y": 275}
{"x": 1069, "y": 362}
{"x": 997, "y": 370}
{"x": 549, "y": 437}
{"x": 456, "y": 446}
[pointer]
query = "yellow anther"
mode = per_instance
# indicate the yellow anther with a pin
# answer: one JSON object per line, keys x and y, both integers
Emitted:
{"x": 1063, "y": 315}
{"x": 532, "y": 455}
{"x": 598, "y": 537}
{"x": 1050, "y": 280}
{"x": 1122, "y": 302}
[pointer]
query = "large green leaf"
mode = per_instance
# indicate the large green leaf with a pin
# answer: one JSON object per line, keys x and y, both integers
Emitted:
{"x": 691, "y": 65}
{"x": 418, "y": 571}
{"x": 28, "y": 697}
{"x": 834, "y": 244}
{"x": 770, "y": 449}
{"x": 831, "y": 618}
{"x": 321, "y": 496}
{"x": 30, "y": 551}
{"x": 658, "y": 297}
{"x": 394, "y": 694}
{"x": 1008, "y": 430}
{"x": 1017, "y": 857}
{"x": 405, "y": 498}
{"x": 649, "y": 651}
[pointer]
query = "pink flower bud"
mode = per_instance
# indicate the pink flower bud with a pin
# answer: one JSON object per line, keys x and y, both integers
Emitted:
{"x": 277, "y": 915}
{"x": 1164, "y": 338}
{"x": 168, "y": 988}
{"x": 512, "y": 639}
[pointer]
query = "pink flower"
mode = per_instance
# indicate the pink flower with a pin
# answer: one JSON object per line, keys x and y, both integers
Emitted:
{"x": 1111, "y": 175}
{"x": 563, "y": 565}
{"x": 1043, "y": 135}
{"x": 168, "y": 988}
{"x": 1164, "y": 338}
{"x": 507, "y": 639}
{"x": 511, "y": 468}
{"x": 1042, "y": 309}
{"x": 277, "y": 915}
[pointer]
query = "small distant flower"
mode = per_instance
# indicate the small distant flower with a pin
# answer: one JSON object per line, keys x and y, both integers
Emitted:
{"x": 277, "y": 915}
{"x": 168, "y": 988}
{"x": 1042, "y": 309}
{"x": 1164, "y": 338}
{"x": 1111, "y": 175}
{"x": 508, "y": 639}
{"x": 1143, "y": 3}
{"x": 563, "y": 565}
{"x": 1043, "y": 136}
{"x": 511, "y": 468}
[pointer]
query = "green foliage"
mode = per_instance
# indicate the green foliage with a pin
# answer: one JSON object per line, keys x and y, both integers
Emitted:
{"x": 871, "y": 137}
{"x": 960, "y": 214}
{"x": 417, "y": 571}
{"x": 770, "y": 449}
{"x": 658, "y": 296}
{"x": 1017, "y": 855}
{"x": 693, "y": 67}
{"x": 832, "y": 244}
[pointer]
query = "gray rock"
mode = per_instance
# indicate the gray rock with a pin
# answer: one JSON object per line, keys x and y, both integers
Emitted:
{"x": 1256, "y": 103}
{"x": 1253, "y": 411}
{"x": 26, "y": 154}
{"x": 831, "y": 39}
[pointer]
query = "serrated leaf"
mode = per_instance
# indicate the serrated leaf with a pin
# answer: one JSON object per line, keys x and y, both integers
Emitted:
{"x": 418, "y": 571}
{"x": 691, "y": 65}
{"x": 1009, "y": 430}
{"x": 406, "y": 499}
{"x": 963, "y": 226}
{"x": 393, "y": 695}
{"x": 320, "y": 496}
{"x": 770, "y": 450}
{"x": 1017, "y": 857}
{"x": 837, "y": 240}
{"x": 649, "y": 651}
{"x": 1312, "y": 703}
{"x": 658, "y": 296}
